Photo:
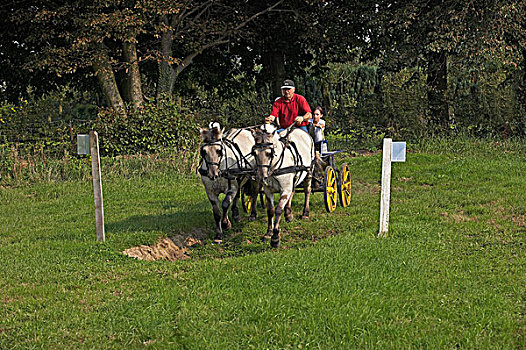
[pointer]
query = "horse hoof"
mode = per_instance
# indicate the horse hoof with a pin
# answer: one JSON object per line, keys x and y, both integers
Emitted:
{"x": 274, "y": 241}
{"x": 265, "y": 238}
{"x": 305, "y": 217}
{"x": 251, "y": 218}
{"x": 218, "y": 239}
{"x": 237, "y": 218}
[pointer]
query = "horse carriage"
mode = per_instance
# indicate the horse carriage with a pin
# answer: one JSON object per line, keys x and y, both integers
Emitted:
{"x": 243, "y": 161}
{"x": 327, "y": 178}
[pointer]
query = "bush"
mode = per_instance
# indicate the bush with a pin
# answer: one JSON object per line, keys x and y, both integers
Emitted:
{"x": 148, "y": 129}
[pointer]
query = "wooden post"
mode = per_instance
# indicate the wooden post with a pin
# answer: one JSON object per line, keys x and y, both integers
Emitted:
{"x": 97, "y": 184}
{"x": 386, "y": 187}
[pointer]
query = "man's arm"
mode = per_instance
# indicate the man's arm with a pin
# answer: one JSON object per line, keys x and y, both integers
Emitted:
{"x": 304, "y": 107}
{"x": 269, "y": 119}
{"x": 273, "y": 113}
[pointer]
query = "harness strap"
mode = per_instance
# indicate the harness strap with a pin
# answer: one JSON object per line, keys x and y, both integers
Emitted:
{"x": 241, "y": 161}
{"x": 291, "y": 169}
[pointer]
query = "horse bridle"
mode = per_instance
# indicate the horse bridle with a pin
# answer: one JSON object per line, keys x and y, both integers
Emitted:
{"x": 203, "y": 153}
{"x": 263, "y": 147}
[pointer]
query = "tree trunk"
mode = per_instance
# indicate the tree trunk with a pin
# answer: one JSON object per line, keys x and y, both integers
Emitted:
{"x": 277, "y": 71}
{"x": 166, "y": 79}
{"x": 437, "y": 89}
{"x": 132, "y": 89}
{"x": 522, "y": 82}
{"x": 106, "y": 77}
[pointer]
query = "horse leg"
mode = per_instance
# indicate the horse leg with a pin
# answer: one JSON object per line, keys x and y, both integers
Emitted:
{"x": 274, "y": 241}
{"x": 288, "y": 209}
{"x": 225, "y": 222}
{"x": 217, "y": 217}
{"x": 307, "y": 186}
{"x": 235, "y": 209}
{"x": 256, "y": 188}
{"x": 270, "y": 214}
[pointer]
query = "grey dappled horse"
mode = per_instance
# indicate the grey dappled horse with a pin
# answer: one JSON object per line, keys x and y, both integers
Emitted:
{"x": 282, "y": 164}
{"x": 224, "y": 159}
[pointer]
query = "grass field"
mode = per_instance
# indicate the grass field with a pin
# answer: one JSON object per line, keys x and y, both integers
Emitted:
{"x": 452, "y": 273}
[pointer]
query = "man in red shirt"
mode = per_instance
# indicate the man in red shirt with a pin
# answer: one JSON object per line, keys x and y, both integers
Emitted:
{"x": 290, "y": 108}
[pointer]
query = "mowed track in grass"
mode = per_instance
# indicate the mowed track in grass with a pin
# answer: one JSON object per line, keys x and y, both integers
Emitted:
{"x": 451, "y": 274}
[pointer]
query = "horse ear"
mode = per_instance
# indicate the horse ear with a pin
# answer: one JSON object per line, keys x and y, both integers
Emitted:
{"x": 203, "y": 133}
{"x": 216, "y": 133}
{"x": 257, "y": 134}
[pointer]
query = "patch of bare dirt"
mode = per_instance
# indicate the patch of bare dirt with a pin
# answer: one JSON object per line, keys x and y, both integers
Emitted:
{"x": 169, "y": 248}
{"x": 363, "y": 153}
{"x": 165, "y": 249}
{"x": 501, "y": 213}
{"x": 405, "y": 179}
{"x": 365, "y": 187}
{"x": 458, "y": 216}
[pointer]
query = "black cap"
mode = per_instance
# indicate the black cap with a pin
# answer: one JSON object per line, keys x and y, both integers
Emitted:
{"x": 287, "y": 84}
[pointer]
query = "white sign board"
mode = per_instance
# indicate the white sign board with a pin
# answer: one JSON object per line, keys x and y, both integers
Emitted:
{"x": 398, "y": 153}
{"x": 83, "y": 146}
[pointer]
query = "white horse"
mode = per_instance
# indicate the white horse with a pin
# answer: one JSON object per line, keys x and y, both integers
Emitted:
{"x": 282, "y": 164}
{"x": 225, "y": 159}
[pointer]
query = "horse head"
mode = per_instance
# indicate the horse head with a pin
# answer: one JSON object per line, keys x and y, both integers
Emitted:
{"x": 212, "y": 149}
{"x": 264, "y": 150}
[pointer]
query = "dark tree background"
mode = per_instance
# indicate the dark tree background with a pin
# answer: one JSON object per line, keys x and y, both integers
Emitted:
{"x": 126, "y": 52}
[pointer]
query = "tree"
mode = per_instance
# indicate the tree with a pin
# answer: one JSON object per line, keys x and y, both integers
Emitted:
{"x": 120, "y": 36}
{"x": 429, "y": 32}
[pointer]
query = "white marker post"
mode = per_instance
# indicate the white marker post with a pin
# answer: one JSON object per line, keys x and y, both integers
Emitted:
{"x": 392, "y": 152}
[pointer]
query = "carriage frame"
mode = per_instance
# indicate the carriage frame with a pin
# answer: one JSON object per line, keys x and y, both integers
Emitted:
{"x": 335, "y": 183}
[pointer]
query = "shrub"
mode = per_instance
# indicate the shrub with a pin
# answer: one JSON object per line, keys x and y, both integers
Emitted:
{"x": 147, "y": 129}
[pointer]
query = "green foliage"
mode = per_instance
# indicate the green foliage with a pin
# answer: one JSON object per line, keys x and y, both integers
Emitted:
{"x": 485, "y": 102}
{"x": 147, "y": 129}
{"x": 361, "y": 101}
{"x": 236, "y": 102}
{"x": 38, "y": 135}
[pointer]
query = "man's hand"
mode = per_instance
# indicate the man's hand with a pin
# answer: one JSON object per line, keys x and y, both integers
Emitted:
{"x": 269, "y": 119}
{"x": 298, "y": 120}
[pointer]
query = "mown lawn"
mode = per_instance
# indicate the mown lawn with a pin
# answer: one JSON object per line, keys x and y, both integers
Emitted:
{"x": 452, "y": 273}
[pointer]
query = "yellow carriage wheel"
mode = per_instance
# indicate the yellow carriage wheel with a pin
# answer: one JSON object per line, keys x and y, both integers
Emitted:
{"x": 344, "y": 186}
{"x": 331, "y": 189}
{"x": 248, "y": 203}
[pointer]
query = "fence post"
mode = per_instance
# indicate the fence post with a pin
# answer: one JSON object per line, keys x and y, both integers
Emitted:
{"x": 97, "y": 184}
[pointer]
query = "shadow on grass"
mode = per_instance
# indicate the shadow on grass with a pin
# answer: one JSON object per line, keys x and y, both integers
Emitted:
{"x": 176, "y": 217}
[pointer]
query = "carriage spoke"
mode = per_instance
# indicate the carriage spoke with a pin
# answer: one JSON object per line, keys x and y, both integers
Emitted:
{"x": 345, "y": 185}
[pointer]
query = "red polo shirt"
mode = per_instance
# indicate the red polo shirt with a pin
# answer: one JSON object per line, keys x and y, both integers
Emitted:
{"x": 287, "y": 111}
